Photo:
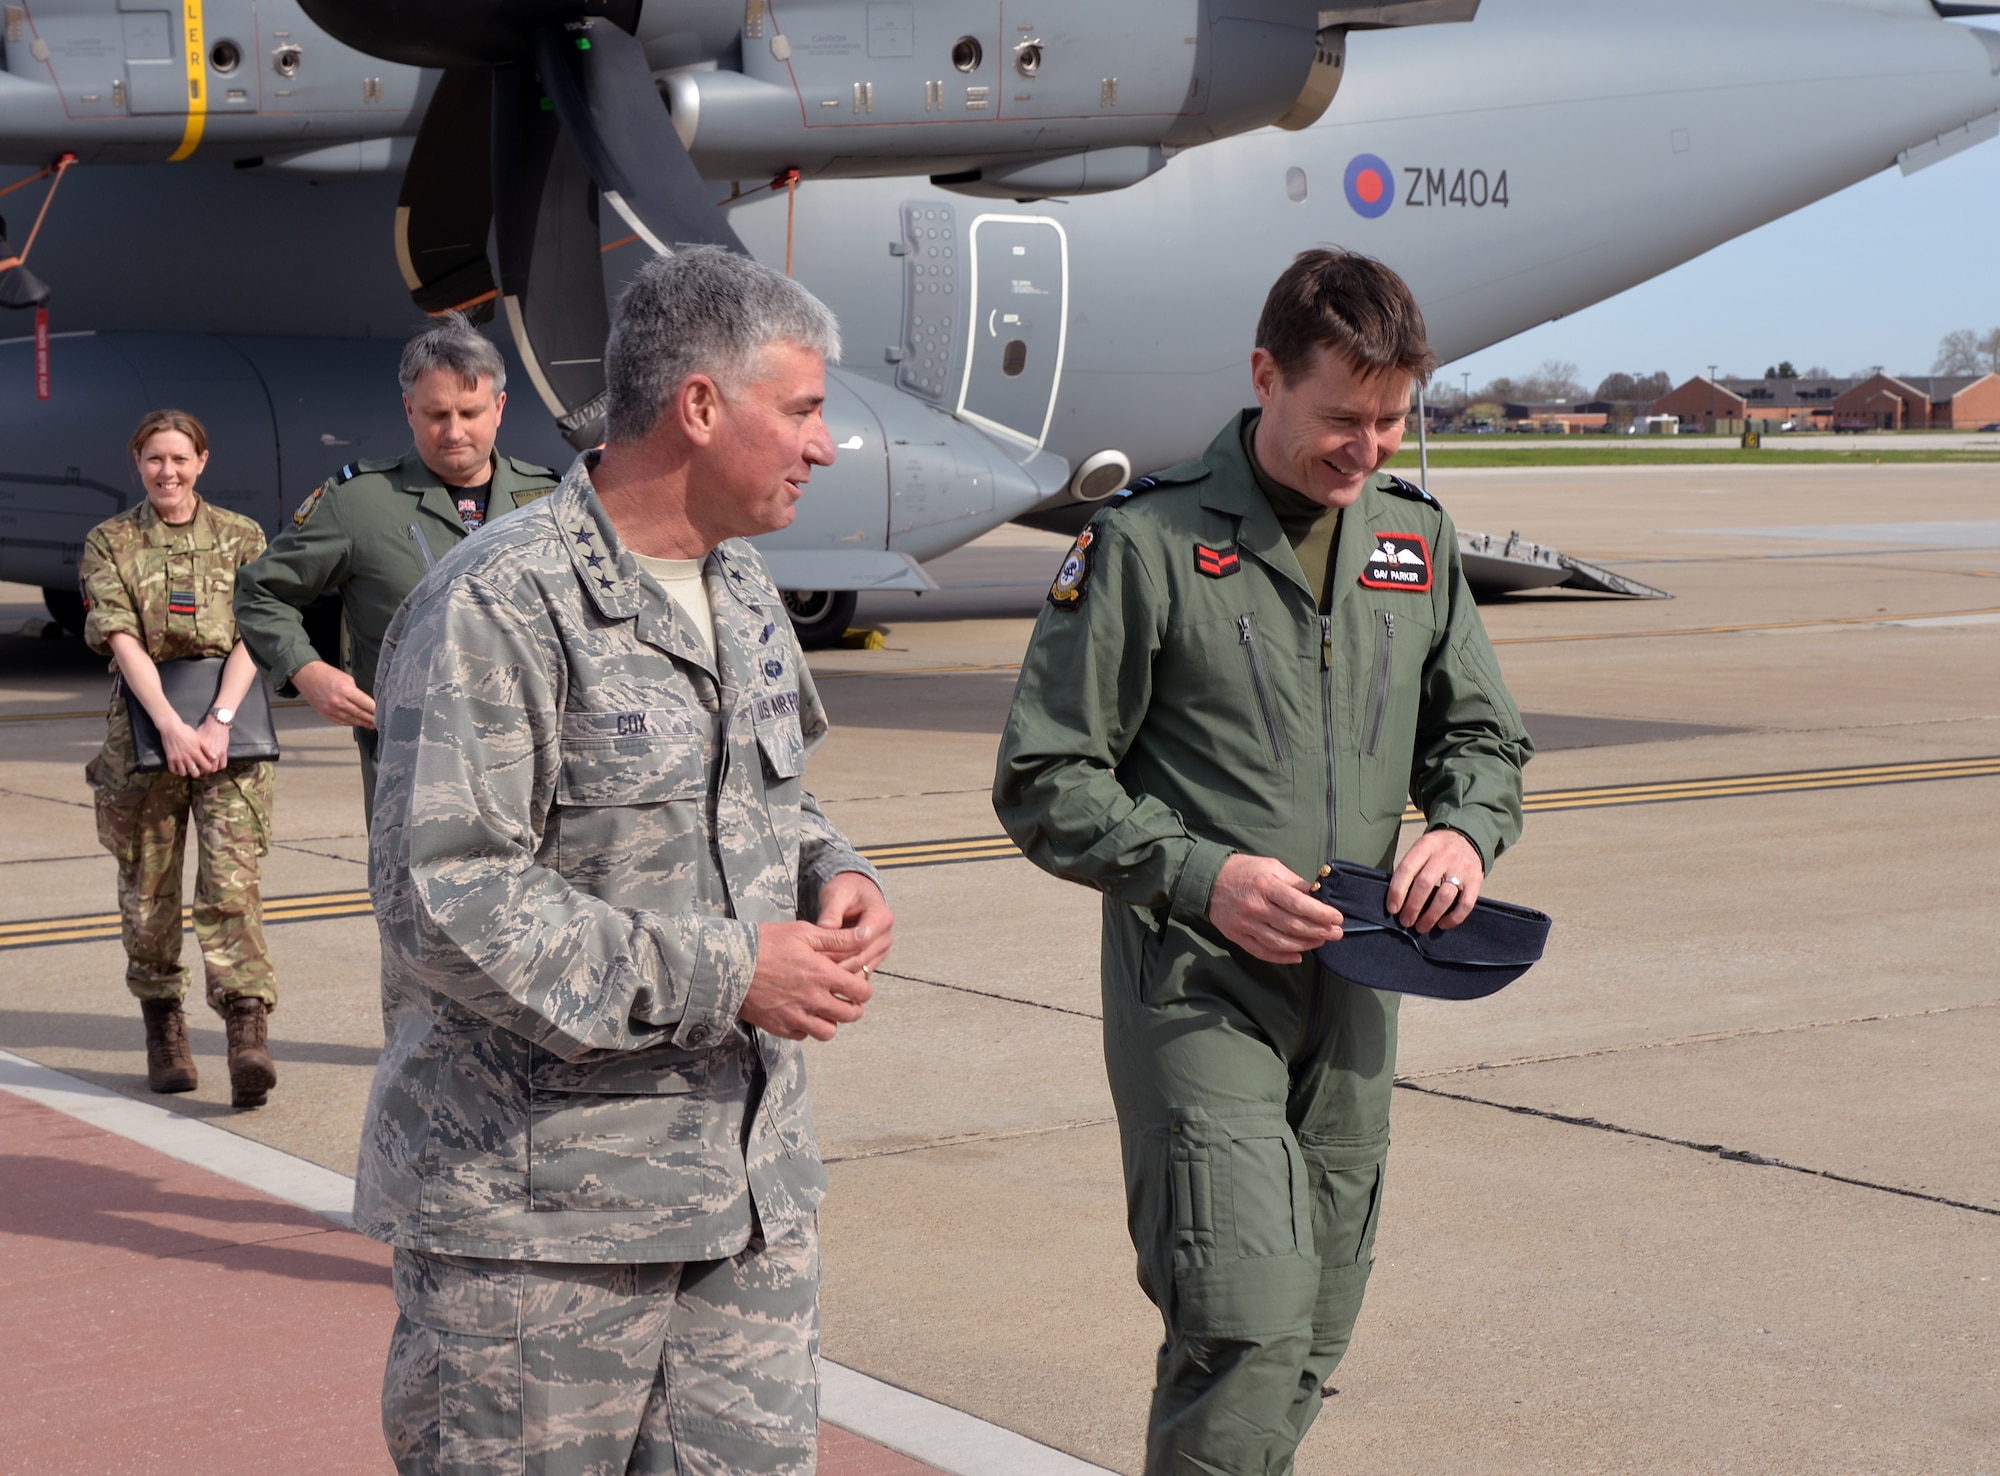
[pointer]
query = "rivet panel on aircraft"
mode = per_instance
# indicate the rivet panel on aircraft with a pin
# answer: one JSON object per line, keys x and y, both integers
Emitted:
{"x": 932, "y": 313}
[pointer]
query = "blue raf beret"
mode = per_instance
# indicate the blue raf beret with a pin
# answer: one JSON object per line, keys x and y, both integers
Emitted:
{"x": 1492, "y": 948}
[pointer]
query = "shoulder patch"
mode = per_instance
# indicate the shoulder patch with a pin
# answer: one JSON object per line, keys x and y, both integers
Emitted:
{"x": 309, "y": 506}
{"x": 1412, "y": 491}
{"x": 1073, "y": 579}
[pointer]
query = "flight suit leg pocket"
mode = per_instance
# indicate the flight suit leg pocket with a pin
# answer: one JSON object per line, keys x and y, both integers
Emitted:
{"x": 461, "y": 1326}
{"x": 1347, "y": 1179}
{"x": 1243, "y": 1258}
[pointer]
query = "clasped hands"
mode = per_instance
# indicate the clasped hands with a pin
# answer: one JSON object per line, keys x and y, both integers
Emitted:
{"x": 812, "y": 977}
{"x": 1270, "y": 913}
{"x": 194, "y": 751}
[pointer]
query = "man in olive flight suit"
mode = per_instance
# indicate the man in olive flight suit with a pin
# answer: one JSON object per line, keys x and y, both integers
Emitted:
{"x": 610, "y": 911}
{"x": 1249, "y": 664}
{"x": 354, "y": 533}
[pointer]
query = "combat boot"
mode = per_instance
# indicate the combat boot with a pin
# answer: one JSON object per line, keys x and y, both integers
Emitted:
{"x": 169, "y": 1062}
{"x": 251, "y": 1072}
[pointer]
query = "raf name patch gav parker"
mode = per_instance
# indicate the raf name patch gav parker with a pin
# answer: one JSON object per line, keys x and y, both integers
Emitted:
{"x": 1399, "y": 561}
{"x": 1073, "y": 579}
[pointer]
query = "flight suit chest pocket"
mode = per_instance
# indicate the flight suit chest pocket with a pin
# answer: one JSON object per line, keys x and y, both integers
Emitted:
{"x": 1390, "y": 647}
{"x": 1228, "y": 687}
{"x": 638, "y": 756}
{"x": 615, "y": 1135}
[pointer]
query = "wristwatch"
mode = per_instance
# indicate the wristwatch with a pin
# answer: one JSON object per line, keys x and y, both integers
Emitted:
{"x": 223, "y": 715}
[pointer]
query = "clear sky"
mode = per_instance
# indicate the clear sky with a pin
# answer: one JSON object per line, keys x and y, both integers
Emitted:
{"x": 1874, "y": 275}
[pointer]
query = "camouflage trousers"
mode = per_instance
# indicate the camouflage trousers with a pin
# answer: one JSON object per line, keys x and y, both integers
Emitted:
{"x": 699, "y": 1368}
{"x": 142, "y": 820}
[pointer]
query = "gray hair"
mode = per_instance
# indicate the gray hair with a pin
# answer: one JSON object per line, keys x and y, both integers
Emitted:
{"x": 451, "y": 342}
{"x": 703, "y": 310}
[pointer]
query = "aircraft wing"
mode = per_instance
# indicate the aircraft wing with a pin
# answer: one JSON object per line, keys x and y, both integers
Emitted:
{"x": 1396, "y": 13}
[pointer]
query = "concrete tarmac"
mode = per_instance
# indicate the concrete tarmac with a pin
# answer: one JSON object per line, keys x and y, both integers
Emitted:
{"x": 1713, "y": 1188}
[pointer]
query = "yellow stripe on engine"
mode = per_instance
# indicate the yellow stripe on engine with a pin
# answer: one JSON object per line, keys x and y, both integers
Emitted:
{"x": 196, "y": 56}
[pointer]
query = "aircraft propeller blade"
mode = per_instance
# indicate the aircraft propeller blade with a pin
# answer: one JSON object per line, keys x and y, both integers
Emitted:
{"x": 446, "y": 207}
{"x": 597, "y": 77}
{"x": 19, "y": 287}
{"x": 551, "y": 264}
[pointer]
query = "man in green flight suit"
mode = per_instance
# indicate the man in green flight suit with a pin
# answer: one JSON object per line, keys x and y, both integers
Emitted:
{"x": 373, "y": 528}
{"x": 1249, "y": 664}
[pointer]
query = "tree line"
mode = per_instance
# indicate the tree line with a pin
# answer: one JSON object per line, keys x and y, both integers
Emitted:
{"x": 1556, "y": 383}
{"x": 1968, "y": 352}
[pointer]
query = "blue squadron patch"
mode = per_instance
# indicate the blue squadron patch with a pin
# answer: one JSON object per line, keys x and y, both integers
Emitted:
{"x": 309, "y": 506}
{"x": 1073, "y": 579}
{"x": 774, "y": 669}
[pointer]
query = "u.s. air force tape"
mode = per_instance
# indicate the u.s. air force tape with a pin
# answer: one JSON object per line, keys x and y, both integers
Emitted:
{"x": 1492, "y": 948}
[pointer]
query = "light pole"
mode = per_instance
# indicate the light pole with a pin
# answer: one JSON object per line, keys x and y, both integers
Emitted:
{"x": 1711, "y": 399}
{"x": 1465, "y": 398}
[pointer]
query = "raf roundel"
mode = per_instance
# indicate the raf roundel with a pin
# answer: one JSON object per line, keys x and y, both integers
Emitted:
{"x": 1371, "y": 186}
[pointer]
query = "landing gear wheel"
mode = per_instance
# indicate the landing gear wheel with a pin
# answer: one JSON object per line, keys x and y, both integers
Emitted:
{"x": 65, "y": 607}
{"x": 820, "y": 616}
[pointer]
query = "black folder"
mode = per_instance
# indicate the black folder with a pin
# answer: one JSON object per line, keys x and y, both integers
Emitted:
{"x": 190, "y": 686}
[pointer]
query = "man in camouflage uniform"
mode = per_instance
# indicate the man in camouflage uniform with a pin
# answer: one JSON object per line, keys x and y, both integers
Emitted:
{"x": 589, "y": 1137}
{"x": 373, "y": 528}
{"x": 167, "y": 587}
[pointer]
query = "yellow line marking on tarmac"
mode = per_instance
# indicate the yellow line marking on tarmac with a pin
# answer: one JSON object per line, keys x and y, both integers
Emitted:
{"x": 97, "y": 927}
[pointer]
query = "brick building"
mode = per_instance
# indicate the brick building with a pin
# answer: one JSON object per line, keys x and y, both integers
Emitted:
{"x": 1700, "y": 403}
{"x": 1879, "y": 402}
{"x": 1922, "y": 401}
{"x": 1560, "y": 419}
{"x": 1725, "y": 404}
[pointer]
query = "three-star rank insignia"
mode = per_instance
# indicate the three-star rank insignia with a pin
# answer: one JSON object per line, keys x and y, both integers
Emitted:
{"x": 1217, "y": 563}
{"x": 1398, "y": 561}
{"x": 1073, "y": 579}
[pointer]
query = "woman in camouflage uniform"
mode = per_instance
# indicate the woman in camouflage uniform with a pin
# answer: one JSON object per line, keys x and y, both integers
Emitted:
{"x": 158, "y": 581}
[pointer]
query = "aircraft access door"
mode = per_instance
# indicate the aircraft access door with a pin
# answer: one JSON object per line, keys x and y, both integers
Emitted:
{"x": 1018, "y": 321}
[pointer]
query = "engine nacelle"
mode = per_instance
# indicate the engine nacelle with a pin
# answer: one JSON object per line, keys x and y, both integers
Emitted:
{"x": 842, "y": 88}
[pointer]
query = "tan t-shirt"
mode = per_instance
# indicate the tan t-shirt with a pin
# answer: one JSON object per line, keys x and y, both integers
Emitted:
{"x": 681, "y": 579}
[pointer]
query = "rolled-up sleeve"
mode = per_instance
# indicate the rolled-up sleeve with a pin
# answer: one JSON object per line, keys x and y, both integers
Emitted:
{"x": 105, "y": 596}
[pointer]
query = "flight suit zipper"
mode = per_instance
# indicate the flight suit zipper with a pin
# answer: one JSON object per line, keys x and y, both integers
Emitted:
{"x": 1315, "y": 1007}
{"x": 1244, "y": 624}
{"x": 1380, "y": 708}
